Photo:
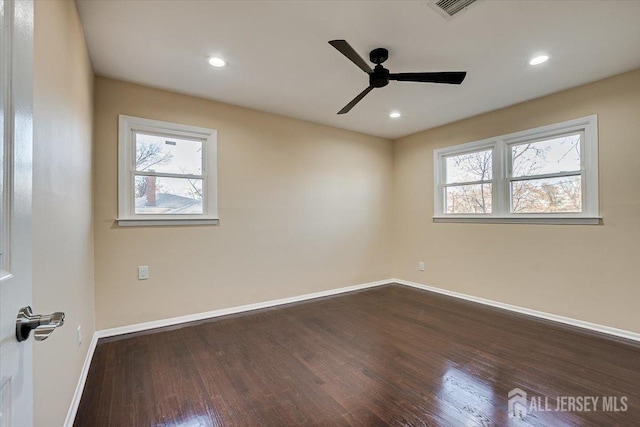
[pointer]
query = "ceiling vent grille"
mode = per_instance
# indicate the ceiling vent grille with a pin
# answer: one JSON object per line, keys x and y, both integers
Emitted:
{"x": 450, "y": 8}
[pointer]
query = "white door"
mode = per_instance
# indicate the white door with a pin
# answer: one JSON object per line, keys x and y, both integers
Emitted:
{"x": 16, "y": 50}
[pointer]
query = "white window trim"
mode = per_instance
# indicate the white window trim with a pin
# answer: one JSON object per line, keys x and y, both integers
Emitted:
{"x": 500, "y": 183}
{"x": 128, "y": 125}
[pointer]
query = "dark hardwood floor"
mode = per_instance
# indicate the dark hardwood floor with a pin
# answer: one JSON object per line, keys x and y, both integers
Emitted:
{"x": 391, "y": 355}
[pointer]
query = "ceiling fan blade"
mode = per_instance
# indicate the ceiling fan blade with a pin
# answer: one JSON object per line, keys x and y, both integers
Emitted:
{"x": 346, "y": 49}
{"x": 355, "y": 100}
{"x": 450, "y": 77}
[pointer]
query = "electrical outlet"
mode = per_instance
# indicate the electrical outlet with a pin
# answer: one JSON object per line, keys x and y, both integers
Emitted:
{"x": 143, "y": 272}
{"x": 79, "y": 335}
{"x": 421, "y": 266}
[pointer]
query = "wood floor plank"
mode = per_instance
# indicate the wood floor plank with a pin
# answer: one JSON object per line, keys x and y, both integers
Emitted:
{"x": 387, "y": 356}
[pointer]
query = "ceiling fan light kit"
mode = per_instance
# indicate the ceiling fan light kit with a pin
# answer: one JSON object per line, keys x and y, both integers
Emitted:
{"x": 380, "y": 76}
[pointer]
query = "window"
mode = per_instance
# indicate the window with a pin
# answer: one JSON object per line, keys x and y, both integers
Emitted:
{"x": 167, "y": 173}
{"x": 542, "y": 175}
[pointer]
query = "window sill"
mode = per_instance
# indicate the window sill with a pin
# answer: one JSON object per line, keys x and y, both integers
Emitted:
{"x": 137, "y": 222}
{"x": 520, "y": 220}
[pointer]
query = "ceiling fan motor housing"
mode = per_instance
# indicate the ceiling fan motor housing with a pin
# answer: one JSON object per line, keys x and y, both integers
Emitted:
{"x": 379, "y": 77}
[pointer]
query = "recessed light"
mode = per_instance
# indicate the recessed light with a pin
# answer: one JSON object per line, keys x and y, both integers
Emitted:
{"x": 538, "y": 60}
{"x": 394, "y": 114}
{"x": 217, "y": 62}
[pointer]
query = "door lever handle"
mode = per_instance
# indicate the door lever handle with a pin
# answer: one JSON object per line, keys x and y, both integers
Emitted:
{"x": 44, "y": 324}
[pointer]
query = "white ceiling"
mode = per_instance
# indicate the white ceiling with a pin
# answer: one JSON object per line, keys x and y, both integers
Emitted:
{"x": 279, "y": 59}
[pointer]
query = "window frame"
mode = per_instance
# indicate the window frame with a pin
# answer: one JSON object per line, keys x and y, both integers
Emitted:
{"x": 502, "y": 175}
{"x": 128, "y": 127}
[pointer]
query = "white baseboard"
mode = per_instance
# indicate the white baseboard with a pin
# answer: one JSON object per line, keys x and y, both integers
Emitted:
{"x": 75, "y": 402}
{"x": 273, "y": 303}
{"x": 535, "y": 313}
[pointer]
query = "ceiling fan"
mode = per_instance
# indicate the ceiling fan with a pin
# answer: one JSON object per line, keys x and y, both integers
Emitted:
{"x": 380, "y": 76}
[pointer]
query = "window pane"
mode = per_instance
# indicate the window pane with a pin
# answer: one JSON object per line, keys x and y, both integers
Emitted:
{"x": 469, "y": 167}
{"x": 560, "y": 154}
{"x": 159, "y": 195}
{"x": 548, "y": 195}
{"x": 468, "y": 199}
{"x": 168, "y": 155}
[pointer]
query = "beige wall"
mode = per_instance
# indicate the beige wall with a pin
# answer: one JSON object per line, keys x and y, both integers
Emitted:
{"x": 589, "y": 273}
{"x": 62, "y": 203}
{"x": 303, "y": 208}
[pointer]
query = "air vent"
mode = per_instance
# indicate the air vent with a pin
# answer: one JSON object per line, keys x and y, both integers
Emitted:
{"x": 450, "y": 8}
